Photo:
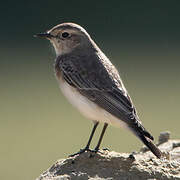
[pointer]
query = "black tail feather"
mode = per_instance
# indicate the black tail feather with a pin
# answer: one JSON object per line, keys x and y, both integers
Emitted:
{"x": 154, "y": 149}
{"x": 146, "y": 138}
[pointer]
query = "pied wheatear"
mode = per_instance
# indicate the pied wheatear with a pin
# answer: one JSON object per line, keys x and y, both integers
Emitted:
{"x": 92, "y": 84}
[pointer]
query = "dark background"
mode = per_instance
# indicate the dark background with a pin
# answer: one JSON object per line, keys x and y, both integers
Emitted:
{"x": 37, "y": 124}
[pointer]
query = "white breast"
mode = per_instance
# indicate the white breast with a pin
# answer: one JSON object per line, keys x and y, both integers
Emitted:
{"x": 88, "y": 108}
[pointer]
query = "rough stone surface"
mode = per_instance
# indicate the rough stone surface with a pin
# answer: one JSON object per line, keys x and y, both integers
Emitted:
{"x": 111, "y": 165}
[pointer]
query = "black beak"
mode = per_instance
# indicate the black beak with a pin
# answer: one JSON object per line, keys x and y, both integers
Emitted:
{"x": 44, "y": 35}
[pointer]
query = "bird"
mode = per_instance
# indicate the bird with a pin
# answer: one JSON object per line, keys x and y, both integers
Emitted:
{"x": 92, "y": 84}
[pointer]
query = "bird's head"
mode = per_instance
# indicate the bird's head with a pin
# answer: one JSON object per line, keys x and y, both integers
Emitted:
{"x": 67, "y": 37}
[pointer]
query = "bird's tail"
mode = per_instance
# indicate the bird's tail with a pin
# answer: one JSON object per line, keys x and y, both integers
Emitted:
{"x": 146, "y": 138}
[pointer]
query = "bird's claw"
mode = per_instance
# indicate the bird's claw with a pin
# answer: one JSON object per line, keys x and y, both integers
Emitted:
{"x": 80, "y": 152}
{"x": 94, "y": 151}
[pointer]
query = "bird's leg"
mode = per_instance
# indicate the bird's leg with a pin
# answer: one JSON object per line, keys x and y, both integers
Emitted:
{"x": 101, "y": 137}
{"x": 89, "y": 141}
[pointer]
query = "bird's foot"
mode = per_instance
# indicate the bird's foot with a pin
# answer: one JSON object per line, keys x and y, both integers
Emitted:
{"x": 94, "y": 151}
{"x": 98, "y": 150}
{"x": 80, "y": 152}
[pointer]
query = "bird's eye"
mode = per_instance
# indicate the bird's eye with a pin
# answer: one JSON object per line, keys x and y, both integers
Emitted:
{"x": 65, "y": 34}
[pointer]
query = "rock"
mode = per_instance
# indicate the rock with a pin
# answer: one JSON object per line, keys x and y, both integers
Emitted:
{"x": 110, "y": 165}
{"x": 164, "y": 137}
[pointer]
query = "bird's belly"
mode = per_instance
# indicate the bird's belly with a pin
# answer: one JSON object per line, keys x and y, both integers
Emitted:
{"x": 88, "y": 108}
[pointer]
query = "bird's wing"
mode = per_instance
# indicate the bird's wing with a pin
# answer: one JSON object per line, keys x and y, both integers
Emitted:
{"x": 100, "y": 84}
{"x": 93, "y": 80}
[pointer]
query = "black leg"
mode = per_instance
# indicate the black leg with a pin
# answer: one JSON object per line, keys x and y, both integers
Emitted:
{"x": 92, "y": 134}
{"x": 101, "y": 137}
{"x": 89, "y": 141}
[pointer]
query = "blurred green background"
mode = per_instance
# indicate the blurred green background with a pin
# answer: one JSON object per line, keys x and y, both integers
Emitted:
{"x": 37, "y": 125}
